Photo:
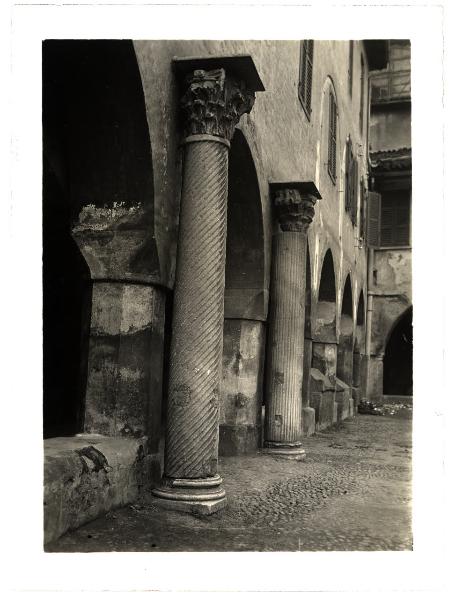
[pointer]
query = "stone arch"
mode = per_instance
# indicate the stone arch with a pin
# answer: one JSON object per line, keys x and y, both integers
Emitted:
{"x": 346, "y": 339}
{"x": 97, "y": 145}
{"x": 325, "y": 325}
{"x": 245, "y": 307}
{"x": 398, "y": 357}
{"x": 245, "y": 257}
{"x": 308, "y": 343}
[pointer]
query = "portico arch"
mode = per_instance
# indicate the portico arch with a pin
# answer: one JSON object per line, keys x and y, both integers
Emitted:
{"x": 345, "y": 346}
{"x": 97, "y": 143}
{"x": 324, "y": 354}
{"x": 245, "y": 307}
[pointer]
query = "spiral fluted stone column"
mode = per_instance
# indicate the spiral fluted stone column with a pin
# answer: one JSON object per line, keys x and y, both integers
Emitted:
{"x": 212, "y": 104}
{"x": 294, "y": 206}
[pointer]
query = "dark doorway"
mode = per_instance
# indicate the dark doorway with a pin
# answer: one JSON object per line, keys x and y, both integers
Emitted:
{"x": 66, "y": 306}
{"x": 398, "y": 359}
{"x": 97, "y": 153}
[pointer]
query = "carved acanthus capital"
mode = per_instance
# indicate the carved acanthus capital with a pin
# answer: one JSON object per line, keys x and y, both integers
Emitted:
{"x": 295, "y": 210}
{"x": 213, "y": 103}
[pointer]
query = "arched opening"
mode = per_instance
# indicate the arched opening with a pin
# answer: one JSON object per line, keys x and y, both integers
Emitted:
{"x": 97, "y": 158}
{"x": 307, "y": 358}
{"x": 308, "y": 299}
{"x": 66, "y": 313}
{"x": 245, "y": 307}
{"x": 345, "y": 346}
{"x": 361, "y": 310}
{"x": 358, "y": 350}
{"x": 398, "y": 358}
{"x": 327, "y": 298}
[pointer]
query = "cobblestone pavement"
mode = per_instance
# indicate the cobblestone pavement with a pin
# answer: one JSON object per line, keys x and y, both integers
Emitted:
{"x": 353, "y": 492}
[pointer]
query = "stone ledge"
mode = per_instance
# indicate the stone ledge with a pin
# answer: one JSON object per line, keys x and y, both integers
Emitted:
{"x": 87, "y": 475}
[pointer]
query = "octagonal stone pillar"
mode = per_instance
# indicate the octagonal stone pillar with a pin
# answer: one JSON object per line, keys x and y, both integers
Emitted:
{"x": 216, "y": 93}
{"x": 294, "y": 208}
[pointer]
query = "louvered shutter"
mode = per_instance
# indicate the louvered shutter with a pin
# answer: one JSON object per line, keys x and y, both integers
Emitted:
{"x": 305, "y": 75}
{"x": 387, "y": 224}
{"x": 373, "y": 219}
{"x": 308, "y": 96}
{"x": 402, "y": 229}
{"x": 302, "y": 75}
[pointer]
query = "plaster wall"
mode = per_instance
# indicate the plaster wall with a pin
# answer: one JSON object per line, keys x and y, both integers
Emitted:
{"x": 285, "y": 145}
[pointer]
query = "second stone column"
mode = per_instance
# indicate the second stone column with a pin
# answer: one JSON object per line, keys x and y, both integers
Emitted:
{"x": 294, "y": 209}
{"x": 212, "y": 104}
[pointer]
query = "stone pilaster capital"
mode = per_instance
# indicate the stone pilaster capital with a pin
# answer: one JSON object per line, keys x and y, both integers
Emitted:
{"x": 294, "y": 205}
{"x": 216, "y": 93}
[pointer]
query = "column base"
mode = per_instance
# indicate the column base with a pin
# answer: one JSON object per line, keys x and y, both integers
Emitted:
{"x": 195, "y": 496}
{"x": 290, "y": 451}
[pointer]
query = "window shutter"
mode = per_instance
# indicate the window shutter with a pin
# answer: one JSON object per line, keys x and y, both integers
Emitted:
{"x": 308, "y": 97}
{"x": 362, "y": 209}
{"x": 305, "y": 75}
{"x": 373, "y": 219}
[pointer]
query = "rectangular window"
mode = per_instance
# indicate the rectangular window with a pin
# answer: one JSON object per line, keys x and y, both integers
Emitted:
{"x": 351, "y": 182}
{"x": 362, "y": 208}
{"x": 305, "y": 76}
{"x": 362, "y": 93}
{"x": 395, "y": 218}
{"x": 351, "y": 66}
{"x": 332, "y": 141}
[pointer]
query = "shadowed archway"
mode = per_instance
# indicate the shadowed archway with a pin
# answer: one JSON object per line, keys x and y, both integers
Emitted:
{"x": 245, "y": 307}
{"x": 398, "y": 358}
{"x": 98, "y": 178}
{"x": 345, "y": 346}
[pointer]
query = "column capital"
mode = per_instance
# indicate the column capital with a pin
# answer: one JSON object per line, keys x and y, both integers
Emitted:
{"x": 294, "y": 204}
{"x": 217, "y": 91}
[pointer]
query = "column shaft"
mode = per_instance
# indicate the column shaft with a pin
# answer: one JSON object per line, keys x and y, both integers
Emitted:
{"x": 286, "y": 340}
{"x": 195, "y": 366}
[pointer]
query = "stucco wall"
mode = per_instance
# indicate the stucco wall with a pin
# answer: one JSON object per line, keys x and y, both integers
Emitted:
{"x": 284, "y": 144}
{"x": 392, "y": 287}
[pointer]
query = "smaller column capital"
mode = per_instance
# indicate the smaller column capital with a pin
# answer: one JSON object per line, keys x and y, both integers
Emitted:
{"x": 294, "y": 204}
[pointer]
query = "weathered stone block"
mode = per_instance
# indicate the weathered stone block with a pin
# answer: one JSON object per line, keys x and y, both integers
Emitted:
{"x": 87, "y": 475}
{"x": 342, "y": 399}
{"x": 308, "y": 421}
{"x": 239, "y": 439}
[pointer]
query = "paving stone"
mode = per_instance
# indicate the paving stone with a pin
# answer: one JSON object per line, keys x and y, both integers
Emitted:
{"x": 338, "y": 499}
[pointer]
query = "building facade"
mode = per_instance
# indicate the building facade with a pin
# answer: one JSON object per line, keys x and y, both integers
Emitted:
{"x": 206, "y": 263}
{"x": 389, "y": 238}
